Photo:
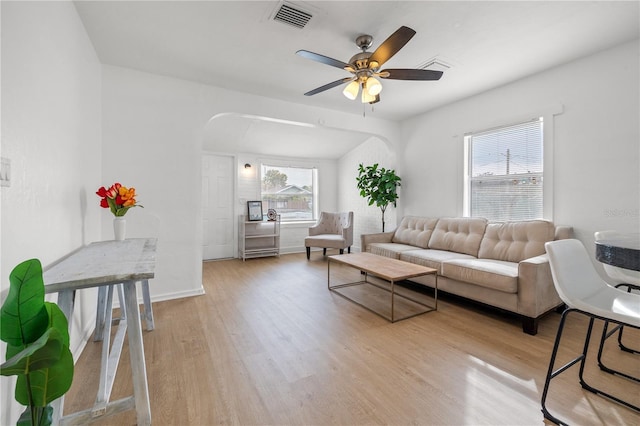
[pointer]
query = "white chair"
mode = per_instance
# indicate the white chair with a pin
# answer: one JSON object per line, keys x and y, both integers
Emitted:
{"x": 583, "y": 291}
{"x": 333, "y": 230}
{"x": 621, "y": 277}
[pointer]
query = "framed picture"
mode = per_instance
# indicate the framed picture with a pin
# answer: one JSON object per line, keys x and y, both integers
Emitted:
{"x": 255, "y": 210}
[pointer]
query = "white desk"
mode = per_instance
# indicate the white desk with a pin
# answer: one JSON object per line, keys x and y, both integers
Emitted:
{"x": 103, "y": 264}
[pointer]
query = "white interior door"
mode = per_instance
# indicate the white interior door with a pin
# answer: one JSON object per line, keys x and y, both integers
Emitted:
{"x": 217, "y": 205}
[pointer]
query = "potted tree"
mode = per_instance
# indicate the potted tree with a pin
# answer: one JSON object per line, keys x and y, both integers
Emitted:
{"x": 37, "y": 337}
{"x": 379, "y": 186}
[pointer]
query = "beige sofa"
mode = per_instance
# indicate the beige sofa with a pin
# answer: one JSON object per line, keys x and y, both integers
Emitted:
{"x": 503, "y": 265}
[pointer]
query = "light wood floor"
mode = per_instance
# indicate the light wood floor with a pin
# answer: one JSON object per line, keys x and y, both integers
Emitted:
{"x": 269, "y": 344}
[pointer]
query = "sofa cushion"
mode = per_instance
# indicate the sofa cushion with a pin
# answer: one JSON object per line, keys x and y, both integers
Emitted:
{"x": 391, "y": 250}
{"x": 494, "y": 274}
{"x": 414, "y": 231}
{"x": 326, "y": 240}
{"x": 515, "y": 241}
{"x": 431, "y": 258}
{"x": 459, "y": 234}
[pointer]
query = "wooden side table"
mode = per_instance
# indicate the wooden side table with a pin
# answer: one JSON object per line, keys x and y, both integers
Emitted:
{"x": 104, "y": 264}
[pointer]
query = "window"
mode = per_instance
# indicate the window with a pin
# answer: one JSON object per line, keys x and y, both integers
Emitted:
{"x": 505, "y": 172}
{"x": 290, "y": 191}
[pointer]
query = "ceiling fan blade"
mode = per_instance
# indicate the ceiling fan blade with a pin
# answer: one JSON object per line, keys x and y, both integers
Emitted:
{"x": 328, "y": 86}
{"x": 410, "y": 74}
{"x": 392, "y": 45}
{"x": 323, "y": 59}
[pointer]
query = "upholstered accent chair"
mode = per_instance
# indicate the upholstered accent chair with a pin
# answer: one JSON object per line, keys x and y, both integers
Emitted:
{"x": 333, "y": 230}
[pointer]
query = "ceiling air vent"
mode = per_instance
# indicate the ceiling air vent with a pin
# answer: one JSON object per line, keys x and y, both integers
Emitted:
{"x": 435, "y": 64}
{"x": 292, "y": 16}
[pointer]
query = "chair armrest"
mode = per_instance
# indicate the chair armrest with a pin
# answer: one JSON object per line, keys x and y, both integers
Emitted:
{"x": 347, "y": 234}
{"x": 316, "y": 230}
{"x": 382, "y": 237}
{"x": 536, "y": 291}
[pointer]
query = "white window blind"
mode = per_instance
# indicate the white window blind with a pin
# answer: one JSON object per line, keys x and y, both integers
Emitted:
{"x": 505, "y": 172}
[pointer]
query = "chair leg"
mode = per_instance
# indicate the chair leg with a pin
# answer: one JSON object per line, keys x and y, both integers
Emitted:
{"x": 341, "y": 251}
{"x": 605, "y": 335}
{"x": 349, "y": 249}
{"x": 324, "y": 251}
{"x": 581, "y": 358}
{"x": 621, "y": 327}
{"x": 622, "y": 345}
{"x": 308, "y": 253}
{"x": 591, "y": 388}
{"x": 551, "y": 373}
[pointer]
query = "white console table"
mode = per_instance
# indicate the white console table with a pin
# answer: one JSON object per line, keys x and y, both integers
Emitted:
{"x": 104, "y": 264}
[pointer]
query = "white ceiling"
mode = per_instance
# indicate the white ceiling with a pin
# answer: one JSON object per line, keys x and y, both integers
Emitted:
{"x": 237, "y": 44}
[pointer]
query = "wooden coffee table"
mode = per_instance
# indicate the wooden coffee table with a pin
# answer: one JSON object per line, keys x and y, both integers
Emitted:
{"x": 390, "y": 270}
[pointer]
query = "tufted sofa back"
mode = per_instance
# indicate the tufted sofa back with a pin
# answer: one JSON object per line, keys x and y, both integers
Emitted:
{"x": 458, "y": 234}
{"x": 516, "y": 241}
{"x": 415, "y": 231}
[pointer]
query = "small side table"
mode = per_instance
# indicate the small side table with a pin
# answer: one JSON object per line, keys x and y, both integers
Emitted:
{"x": 105, "y": 264}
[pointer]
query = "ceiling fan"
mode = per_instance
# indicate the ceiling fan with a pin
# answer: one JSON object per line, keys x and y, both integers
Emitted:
{"x": 365, "y": 67}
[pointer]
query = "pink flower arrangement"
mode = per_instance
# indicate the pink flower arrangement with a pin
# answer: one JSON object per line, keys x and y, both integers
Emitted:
{"x": 118, "y": 198}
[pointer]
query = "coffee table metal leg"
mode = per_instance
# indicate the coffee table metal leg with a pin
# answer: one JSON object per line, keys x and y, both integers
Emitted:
{"x": 392, "y": 299}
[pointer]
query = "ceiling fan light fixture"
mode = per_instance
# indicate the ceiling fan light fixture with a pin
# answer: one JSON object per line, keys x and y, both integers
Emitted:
{"x": 351, "y": 91}
{"x": 366, "y": 97}
{"x": 373, "y": 86}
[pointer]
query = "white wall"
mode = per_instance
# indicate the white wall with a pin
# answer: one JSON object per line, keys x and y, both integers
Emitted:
{"x": 596, "y": 142}
{"x": 51, "y": 132}
{"x": 154, "y": 133}
{"x": 367, "y": 219}
{"x": 249, "y": 188}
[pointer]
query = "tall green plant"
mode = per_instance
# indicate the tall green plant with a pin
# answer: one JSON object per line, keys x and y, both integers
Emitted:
{"x": 37, "y": 337}
{"x": 379, "y": 186}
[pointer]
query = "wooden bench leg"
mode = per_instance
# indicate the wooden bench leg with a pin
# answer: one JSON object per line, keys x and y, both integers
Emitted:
{"x": 148, "y": 309}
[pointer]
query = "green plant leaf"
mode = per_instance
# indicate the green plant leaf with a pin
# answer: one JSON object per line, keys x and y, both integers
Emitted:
{"x": 37, "y": 339}
{"x": 45, "y": 414}
{"x": 23, "y": 317}
{"x": 48, "y": 384}
{"x": 42, "y": 353}
{"x": 58, "y": 320}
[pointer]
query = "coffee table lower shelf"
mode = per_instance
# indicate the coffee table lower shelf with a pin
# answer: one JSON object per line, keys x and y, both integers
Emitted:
{"x": 390, "y": 271}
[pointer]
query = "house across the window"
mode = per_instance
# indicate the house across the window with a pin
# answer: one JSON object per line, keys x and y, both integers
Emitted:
{"x": 289, "y": 191}
{"x": 505, "y": 173}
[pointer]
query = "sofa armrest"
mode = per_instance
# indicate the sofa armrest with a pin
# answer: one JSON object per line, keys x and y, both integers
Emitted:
{"x": 382, "y": 237}
{"x": 563, "y": 232}
{"x": 536, "y": 291}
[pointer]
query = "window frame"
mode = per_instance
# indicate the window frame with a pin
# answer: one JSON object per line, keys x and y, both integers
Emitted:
{"x": 293, "y": 165}
{"x": 548, "y": 114}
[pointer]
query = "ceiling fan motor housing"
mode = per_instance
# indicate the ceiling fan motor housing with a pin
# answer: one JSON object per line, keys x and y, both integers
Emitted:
{"x": 360, "y": 60}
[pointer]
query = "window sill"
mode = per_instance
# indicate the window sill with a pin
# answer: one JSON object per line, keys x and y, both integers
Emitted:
{"x": 302, "y": 224}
